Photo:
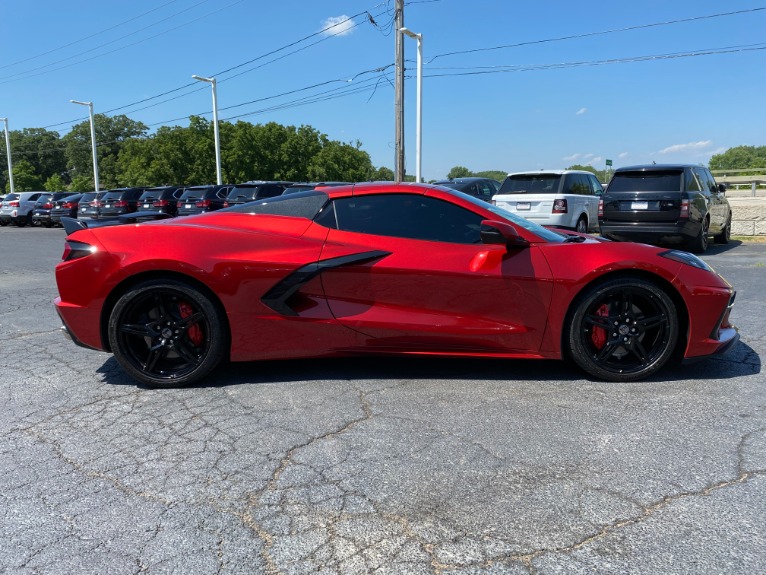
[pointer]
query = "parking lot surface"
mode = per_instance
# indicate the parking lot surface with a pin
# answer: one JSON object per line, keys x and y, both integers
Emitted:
{"x": 375, "y": 466}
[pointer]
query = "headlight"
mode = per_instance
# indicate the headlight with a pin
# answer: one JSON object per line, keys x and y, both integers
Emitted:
{"x": 686, "y": 258}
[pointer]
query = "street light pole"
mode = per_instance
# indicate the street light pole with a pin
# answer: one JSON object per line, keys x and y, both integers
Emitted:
{"x": 219, "y": 178}
{"x": 419, "y": 135}
{"x": 8, "y": 150}
{"x": 96, "y": 186}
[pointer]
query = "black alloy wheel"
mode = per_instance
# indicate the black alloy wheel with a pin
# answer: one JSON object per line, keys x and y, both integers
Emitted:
{"x": 698, "y": 245}
{"x": 165, "y": 333}
{"x": 725, "y": 235}
{"x": 624, "y": 329}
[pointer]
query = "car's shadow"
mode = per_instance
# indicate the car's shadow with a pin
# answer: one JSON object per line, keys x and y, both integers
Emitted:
{"x": 714, "y": 249}
{"x": 739, "y": 362}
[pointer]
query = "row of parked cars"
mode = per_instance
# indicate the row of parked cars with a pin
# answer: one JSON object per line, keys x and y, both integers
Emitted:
{"x": 674, "y": 204}
{"x": 47, "y": 208}
{"x": 679, "y": 204}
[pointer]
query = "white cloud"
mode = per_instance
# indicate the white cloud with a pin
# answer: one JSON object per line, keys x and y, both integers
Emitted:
{"x": 623, "y": 155}
{"x": 581, "y": 111}
{"x": 691, "y": 146}
{"x": 572, "y": 158}
{"x": 338, "y": 26}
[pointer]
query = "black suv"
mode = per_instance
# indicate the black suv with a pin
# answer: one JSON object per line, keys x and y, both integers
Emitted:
{"x": 251, "y": 191}
{"x": 201, "y": 199}
{"x": 65, "y": 208}
{"x": 90, "y": 205}
{"x": 41, "y": 214}
{"x": 481, "y": 188}
{"x": 120, "y": 201}
{"x": 664, "y": 204}
{"x": 162, "y": 200}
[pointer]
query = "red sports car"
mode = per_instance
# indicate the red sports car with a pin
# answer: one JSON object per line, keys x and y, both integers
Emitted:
{"x": 385, "y": 269}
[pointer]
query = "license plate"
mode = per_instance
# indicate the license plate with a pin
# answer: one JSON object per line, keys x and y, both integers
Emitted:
{"x": 187, "y": 206}
{"x": 146, "y": 205}
{"x": 523, "y": 205}
{"x": 639, "y": 205}
{"x": 107, "y": 205}
{"x": 83, "y": 209}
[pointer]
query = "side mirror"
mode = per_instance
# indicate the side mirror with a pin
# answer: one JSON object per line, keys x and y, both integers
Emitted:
{"x": 722, "y": 188}
{"x": 501, "y": 233}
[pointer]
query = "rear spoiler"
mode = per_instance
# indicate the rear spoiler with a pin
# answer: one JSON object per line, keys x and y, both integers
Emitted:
{"x": 72, "y": 225}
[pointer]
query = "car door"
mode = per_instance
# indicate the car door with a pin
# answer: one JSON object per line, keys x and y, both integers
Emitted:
{"x": 717, "y": 204}
{"x": 428, "y": 283}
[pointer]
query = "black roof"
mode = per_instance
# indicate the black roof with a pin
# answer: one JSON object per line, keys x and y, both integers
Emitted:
{"x": 657, "y": 167}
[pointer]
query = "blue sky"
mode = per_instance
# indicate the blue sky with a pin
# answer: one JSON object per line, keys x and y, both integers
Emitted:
{"x": 502, "y": 89}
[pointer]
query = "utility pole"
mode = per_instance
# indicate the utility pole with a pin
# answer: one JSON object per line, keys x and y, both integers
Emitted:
{"x": 399, "y": 97}
{"x": 8, "y": 149}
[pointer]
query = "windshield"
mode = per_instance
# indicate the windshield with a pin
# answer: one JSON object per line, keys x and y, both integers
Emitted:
{"x": 530, "y": 184}
{"x": 524, "y": 223}
{"x": 646, "y": 181}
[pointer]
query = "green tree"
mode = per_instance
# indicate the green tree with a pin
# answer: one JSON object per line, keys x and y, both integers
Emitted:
{"x": 25, "y": 178}
{"x": 55, "y": 183}
{"x": 739, "y": 158}
{"x": 458, "y": 172}
{"x": 492, "y": 175}
{"x": 341, "y": 162}
{"x": 81, "y": 184}
{"x": 39, "y": 147}
{"x": 111, "y": 134}
{"x": 600, "y": 174}
{"x": 382, "y": 174}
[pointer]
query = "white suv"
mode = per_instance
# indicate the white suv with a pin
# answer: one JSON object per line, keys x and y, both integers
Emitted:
{"x": 558, "y": 198}
{"x": 17, "y": 208}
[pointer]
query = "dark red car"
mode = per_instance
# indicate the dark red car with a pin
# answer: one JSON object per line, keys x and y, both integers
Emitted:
{"x": 381, "y": 269}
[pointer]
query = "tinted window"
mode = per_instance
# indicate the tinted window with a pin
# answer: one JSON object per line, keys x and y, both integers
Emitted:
{"x": 531, "y": 184}
{"x": 654, "y": 181}
{"x": 706, "y": 180}
{"x": 692, "y": 183}
{"x": 408, "y": 216}
{"x": 298, "y": 205}
{"x": 595, "y": 185}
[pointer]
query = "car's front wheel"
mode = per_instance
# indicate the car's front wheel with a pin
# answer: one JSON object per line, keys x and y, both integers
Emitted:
{"x": 166, "y": 333}
{"x": 624, "y": 329}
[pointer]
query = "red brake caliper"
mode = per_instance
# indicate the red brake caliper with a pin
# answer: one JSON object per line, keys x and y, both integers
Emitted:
{"x": 598, "y": 335}
{"x": 194, "y": 332}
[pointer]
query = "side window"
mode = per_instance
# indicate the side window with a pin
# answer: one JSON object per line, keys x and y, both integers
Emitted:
{"x": 485, "y": 190}
{"x": 595, "y": 185}
{"x": 407, "y": 216}
{"x": 692, "y": 183}
{"x": 708, "y": 180}
{"x": 569, "y": 184}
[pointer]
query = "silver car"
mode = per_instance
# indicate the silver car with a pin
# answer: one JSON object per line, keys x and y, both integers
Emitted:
{"x": 17, "y": 208}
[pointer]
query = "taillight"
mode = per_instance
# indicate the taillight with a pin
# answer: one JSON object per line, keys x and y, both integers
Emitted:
{"x": 95, "y": 204}
{"x": 601, "y": 208}
{"x": 559, "y": 206}
{"x": 161, "y": 203}
{"x": 120, "y": 204}
{"x": 46, "y": 206}
{"x": 226, "y": 203}
{"x": 684, "y": 215}
{"x": 14, "y": 203}
{"x": 68, "y": 205}
{"x": 75, "y": 250}
{"x": 203, "y": 204}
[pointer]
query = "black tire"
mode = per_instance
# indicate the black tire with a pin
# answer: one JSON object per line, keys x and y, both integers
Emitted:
{"x": 582, "y": 225}
{"x": 699, "y": 244}
{"x": 725, "y": 235}
{"x": 21, "y": 221}
{"x": 624, "y": 329}
{"x": 165, "y": 333}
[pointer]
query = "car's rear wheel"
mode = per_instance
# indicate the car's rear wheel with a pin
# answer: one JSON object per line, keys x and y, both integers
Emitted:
{"x": 698, "y": 244}
{"x": 725, "y": 235}
{"x": 624, "y": 329}
{"x": 582, "y": 225}
{"x": 166, "y": 333}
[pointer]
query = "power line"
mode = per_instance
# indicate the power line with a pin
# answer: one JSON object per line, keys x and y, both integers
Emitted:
{"x": 601, "y": 33}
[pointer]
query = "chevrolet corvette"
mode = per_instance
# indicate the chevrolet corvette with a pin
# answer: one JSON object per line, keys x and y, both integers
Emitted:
{"x": 380, "y": 269}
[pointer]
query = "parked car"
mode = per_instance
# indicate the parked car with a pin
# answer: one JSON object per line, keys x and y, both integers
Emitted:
{"x": 250, "y": 191}
{"x": 305, "y": 186}
{"x": 120, "y": 201}
{"x": 162, "y": 199}
{"x": 381, "y": 269}
{"x": 482, "y": 188}
{"x": 90, "y": 206}
{"x": 201, "y": 199}
{"x": 666, "y": 204}
{"x": 65, "y": 208}
{"x": 558, "y": 198}
{"x": 41, "y": 214}
{"x": 17, "y": 208}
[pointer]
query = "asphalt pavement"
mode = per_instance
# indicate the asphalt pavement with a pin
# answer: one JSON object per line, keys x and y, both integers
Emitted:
{"x": 400, "y": 466}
